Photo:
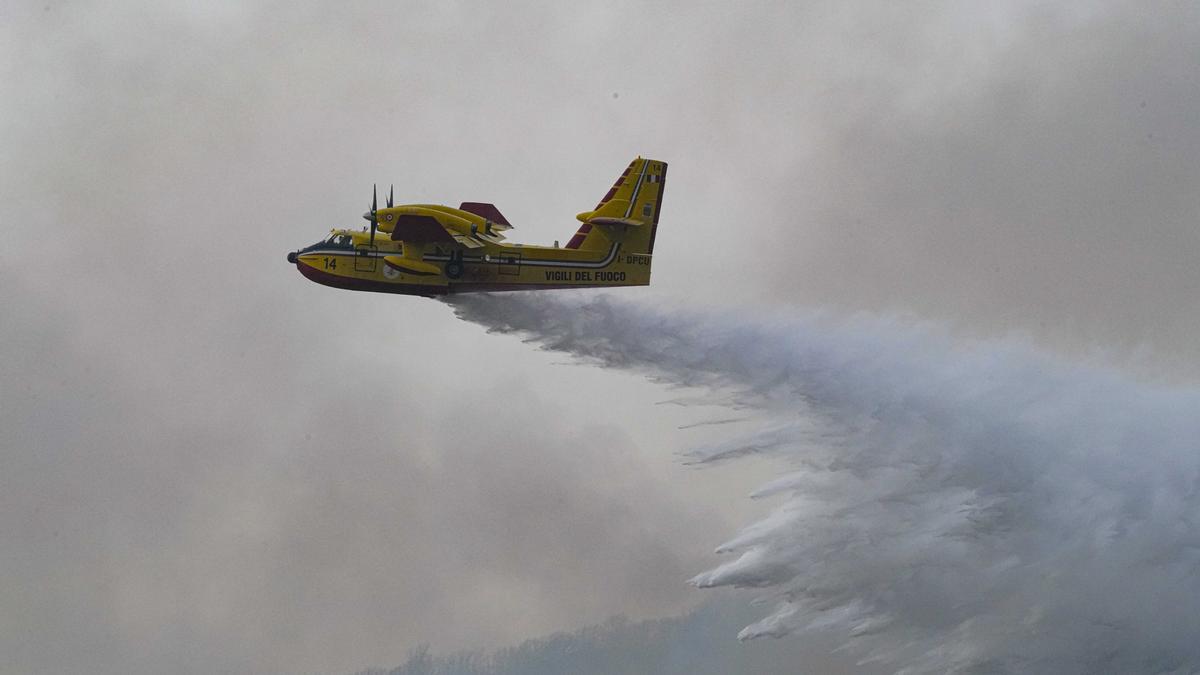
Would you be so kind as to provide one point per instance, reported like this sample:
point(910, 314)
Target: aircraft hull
point(507, 269)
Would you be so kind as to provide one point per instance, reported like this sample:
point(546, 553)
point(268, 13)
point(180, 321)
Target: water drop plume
point(948, 507)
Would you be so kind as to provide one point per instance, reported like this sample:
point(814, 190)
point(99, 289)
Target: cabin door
point(509, 264)
point(365, 258)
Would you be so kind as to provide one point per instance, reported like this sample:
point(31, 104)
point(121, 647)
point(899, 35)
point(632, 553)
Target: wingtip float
point(428, 250)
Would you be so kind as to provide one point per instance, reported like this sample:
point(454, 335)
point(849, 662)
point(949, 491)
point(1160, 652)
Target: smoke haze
point(208, 464)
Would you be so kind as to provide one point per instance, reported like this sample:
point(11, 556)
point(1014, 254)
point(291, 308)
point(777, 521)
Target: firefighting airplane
point(436, 250)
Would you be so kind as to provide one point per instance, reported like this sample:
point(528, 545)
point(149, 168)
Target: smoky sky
point(210, 464)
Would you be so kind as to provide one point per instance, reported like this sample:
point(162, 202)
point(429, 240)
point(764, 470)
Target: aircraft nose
point(292, 257)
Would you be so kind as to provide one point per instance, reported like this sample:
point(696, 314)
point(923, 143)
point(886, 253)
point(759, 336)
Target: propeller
point(372, 214)
point(374, 218)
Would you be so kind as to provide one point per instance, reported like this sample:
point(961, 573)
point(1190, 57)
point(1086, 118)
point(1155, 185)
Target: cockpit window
point(334, 240)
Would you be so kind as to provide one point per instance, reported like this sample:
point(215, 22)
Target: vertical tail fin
point(636, 197)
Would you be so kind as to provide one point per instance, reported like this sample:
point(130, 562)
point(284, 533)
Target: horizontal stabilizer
point(615, 221)
point(613, 208)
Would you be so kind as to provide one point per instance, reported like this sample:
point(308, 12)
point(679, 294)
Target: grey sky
point(211, 464)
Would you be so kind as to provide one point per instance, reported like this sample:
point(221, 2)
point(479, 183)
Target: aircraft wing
point(604, 220)
point(435, 228)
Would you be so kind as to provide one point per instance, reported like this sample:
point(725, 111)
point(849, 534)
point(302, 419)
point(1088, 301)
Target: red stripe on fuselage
point(355, 284)
point(350, 283)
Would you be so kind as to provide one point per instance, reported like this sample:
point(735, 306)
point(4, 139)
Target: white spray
point(982, 509)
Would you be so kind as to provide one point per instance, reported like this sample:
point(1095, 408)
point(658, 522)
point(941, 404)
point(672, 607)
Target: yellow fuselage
point(493, 267)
